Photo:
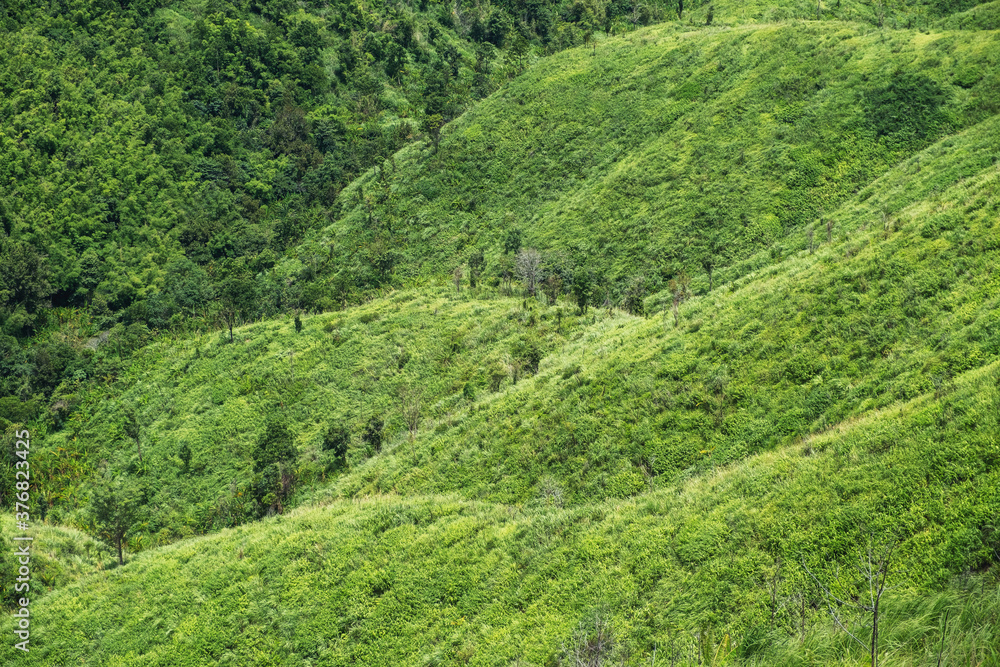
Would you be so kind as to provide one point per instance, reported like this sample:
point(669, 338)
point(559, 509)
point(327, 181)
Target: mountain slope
point(663, 151)
point(389, 581)
point(903, 446)
point(479, 475)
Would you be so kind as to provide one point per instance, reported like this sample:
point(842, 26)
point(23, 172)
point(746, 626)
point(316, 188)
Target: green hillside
point(711, 566)
point(764, 349)
point(667, 150)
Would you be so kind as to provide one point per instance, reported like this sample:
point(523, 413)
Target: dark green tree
point(512, 241)
point(635, 295)
point(336, 440)
point(372, 435)
point(275, 446)
point(582, 288)
point(188, 286)
point(185, 454)
point(272, 458)
point(476, 264)
point(114, 511)
point(24, 284)
point(234, 293)
point(133, 430)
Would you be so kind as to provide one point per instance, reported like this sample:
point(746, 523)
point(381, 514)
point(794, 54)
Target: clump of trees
point(273, 458)
point(336, 440)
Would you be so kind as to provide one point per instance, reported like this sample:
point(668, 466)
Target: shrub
point(373, 433)
point(336, 440)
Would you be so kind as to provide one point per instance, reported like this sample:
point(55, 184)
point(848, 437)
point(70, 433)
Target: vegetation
point(681, 346)
point(158, 158)
point(668, 151)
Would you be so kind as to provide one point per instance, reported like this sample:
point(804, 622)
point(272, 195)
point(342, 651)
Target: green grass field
point(442, 476)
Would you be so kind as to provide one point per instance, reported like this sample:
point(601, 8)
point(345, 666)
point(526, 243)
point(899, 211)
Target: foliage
point(115, 505)
point(671, 150)
point(462, 476)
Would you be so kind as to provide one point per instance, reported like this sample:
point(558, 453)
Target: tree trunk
point(874, 646)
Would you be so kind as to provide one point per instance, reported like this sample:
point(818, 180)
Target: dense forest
point(503, 333)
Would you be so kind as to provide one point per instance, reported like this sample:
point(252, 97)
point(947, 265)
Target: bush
point(909, 106)
point(528, 352)
point(275, 445)
point(336, 441)
point(373, 433)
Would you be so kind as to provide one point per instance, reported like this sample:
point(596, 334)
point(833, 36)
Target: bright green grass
point(816, 399)
point(901, 302)
point(443, 580)
point(665, 150)
point(59, 556)
point(341, 369)
point(904, 444)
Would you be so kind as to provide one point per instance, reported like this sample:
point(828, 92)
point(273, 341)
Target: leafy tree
point(512, 241)
point(185, 455)
point(24, 281)
point(553, 287)
point(635, 295)
point(433, 124)
point(410, 404)
point(133, 430)
point(680, 290)
point(336, 440)
point(527, 353)
point(188, 286)
point(276, 445)
point(476, 264)
point(14, 365)
point(372, 435)
point(114, 511)
point(272, 457)
point(235, 293)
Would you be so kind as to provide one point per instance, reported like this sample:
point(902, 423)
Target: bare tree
point(410, 403)
point(680, 288)
point(593, 644)
point(874, 565)
point(528, 265)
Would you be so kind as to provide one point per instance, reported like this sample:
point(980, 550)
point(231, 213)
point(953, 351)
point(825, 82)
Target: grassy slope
point(868, 320)
point(441, 577)
point(889, 332)
point(666, 148)
point(443, 580)
point(342, 369)
point(895, 15)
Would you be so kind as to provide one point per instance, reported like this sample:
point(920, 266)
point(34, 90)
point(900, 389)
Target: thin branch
point(833, 613)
